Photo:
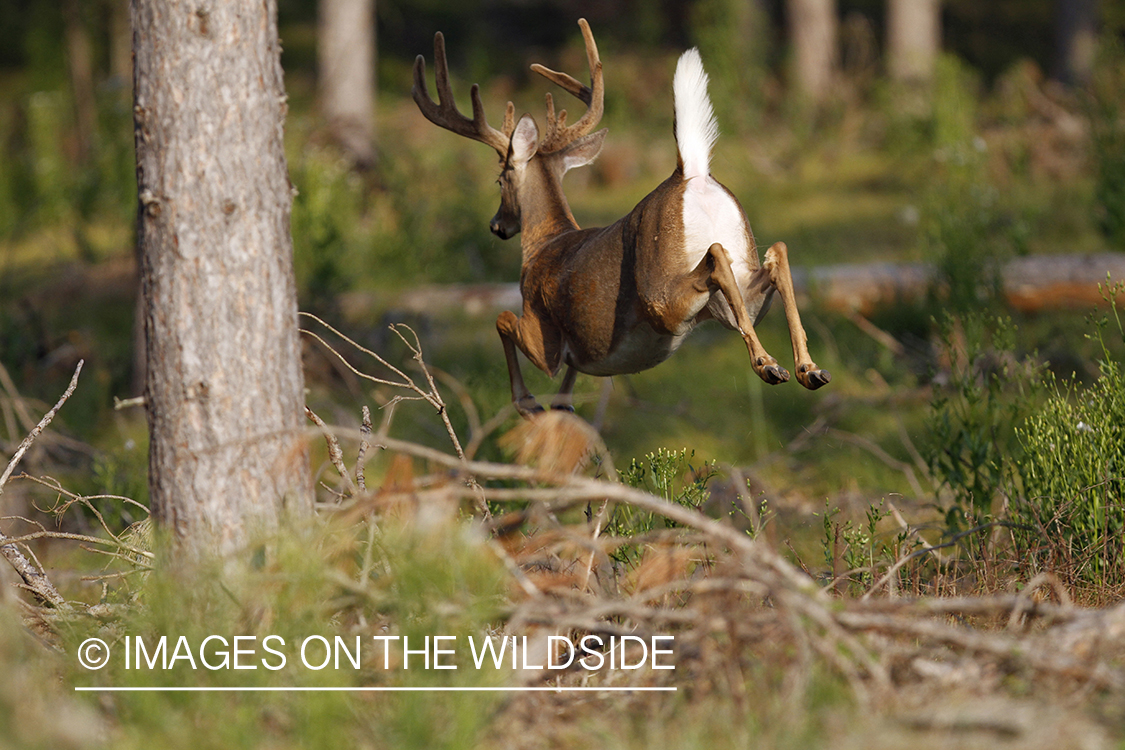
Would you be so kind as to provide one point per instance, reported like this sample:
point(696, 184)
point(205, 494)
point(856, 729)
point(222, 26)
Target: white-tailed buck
point(622, 298)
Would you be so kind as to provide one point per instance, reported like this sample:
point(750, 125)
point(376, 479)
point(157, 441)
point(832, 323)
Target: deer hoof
point(528, 407)
point(774, 374)
point(562, 407)
point(813, 377)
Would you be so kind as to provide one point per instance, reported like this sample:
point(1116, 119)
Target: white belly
point(639, 350)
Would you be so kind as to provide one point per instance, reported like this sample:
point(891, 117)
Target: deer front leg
point(777, 264)
point(537, 343)
point(718, 263)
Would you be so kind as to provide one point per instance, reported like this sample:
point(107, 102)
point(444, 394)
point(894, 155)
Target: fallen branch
point(857, 638)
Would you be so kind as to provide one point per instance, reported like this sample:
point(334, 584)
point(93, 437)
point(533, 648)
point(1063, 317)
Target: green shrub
point(327, 214)
point(1073, 472)
point(970, 227)
point(973, 451)
point(667, 474)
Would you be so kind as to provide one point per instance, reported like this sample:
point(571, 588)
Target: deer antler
point(444, 112)
point(558, 135)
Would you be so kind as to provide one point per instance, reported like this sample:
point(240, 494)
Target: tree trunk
point(346, 59)
point(813, 34)
point(1076, 40)
point(913, 39)
point(224, 387)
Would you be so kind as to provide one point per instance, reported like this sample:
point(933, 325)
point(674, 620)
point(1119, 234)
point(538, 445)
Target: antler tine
point(577, 88)
point(558, 135)
point(444, 112)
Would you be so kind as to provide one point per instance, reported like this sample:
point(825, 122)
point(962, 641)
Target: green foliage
point(1073, 471)
point(956, 88)
point(860, 548)
point(969, 230)
point(349, 581)
point(1004, 427)
point(665, 473)
point(973, 450)
point(327, 218)
point(443, 199)
point(733, 38)
point(670, 475)
point(122, 472)
point(42, 187)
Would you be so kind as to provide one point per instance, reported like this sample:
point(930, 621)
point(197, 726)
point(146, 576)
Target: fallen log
point(1030, 284)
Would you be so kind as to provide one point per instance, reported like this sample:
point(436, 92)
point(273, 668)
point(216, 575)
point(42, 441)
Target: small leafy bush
point(1073, 471)
point(668, 474)
point(976, 406)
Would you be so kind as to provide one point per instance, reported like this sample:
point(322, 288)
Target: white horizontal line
point(374, 689)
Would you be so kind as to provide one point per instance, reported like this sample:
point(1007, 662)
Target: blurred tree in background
point(346, 75)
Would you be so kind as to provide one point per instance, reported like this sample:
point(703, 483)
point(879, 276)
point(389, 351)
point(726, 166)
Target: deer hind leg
point(540, 345)
point(717, 264)
point(777, 265)
point(564, 399)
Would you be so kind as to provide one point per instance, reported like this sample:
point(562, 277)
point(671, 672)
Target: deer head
point(531, 169)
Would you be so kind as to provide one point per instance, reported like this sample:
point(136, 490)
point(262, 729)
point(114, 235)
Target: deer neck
point(544, 211)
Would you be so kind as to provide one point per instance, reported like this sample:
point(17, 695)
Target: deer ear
point(584, 150)
point(525, 140)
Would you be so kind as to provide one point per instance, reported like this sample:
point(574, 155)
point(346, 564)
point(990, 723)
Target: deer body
point(622, 298)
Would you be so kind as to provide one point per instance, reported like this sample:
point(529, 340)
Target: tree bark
point(913, 39)
point(224, 388)
point(346, 60)
point(813, 34)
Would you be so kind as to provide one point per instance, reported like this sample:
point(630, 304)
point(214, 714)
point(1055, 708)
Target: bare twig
point(875, 332)
point(1025, 604)
point(46, 420)
point(335, 454)
point(431, 396)
point(934, 548)
point(364, 446)
point(34, 579)
point(120, 404)
point(47, 534)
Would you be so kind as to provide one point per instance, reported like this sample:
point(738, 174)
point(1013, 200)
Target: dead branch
point(335, 454)
point(432, 396)
point(856, 638)
point(364, 446)
point(34, 579)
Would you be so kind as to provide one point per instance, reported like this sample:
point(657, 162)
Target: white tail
point(696, 128)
